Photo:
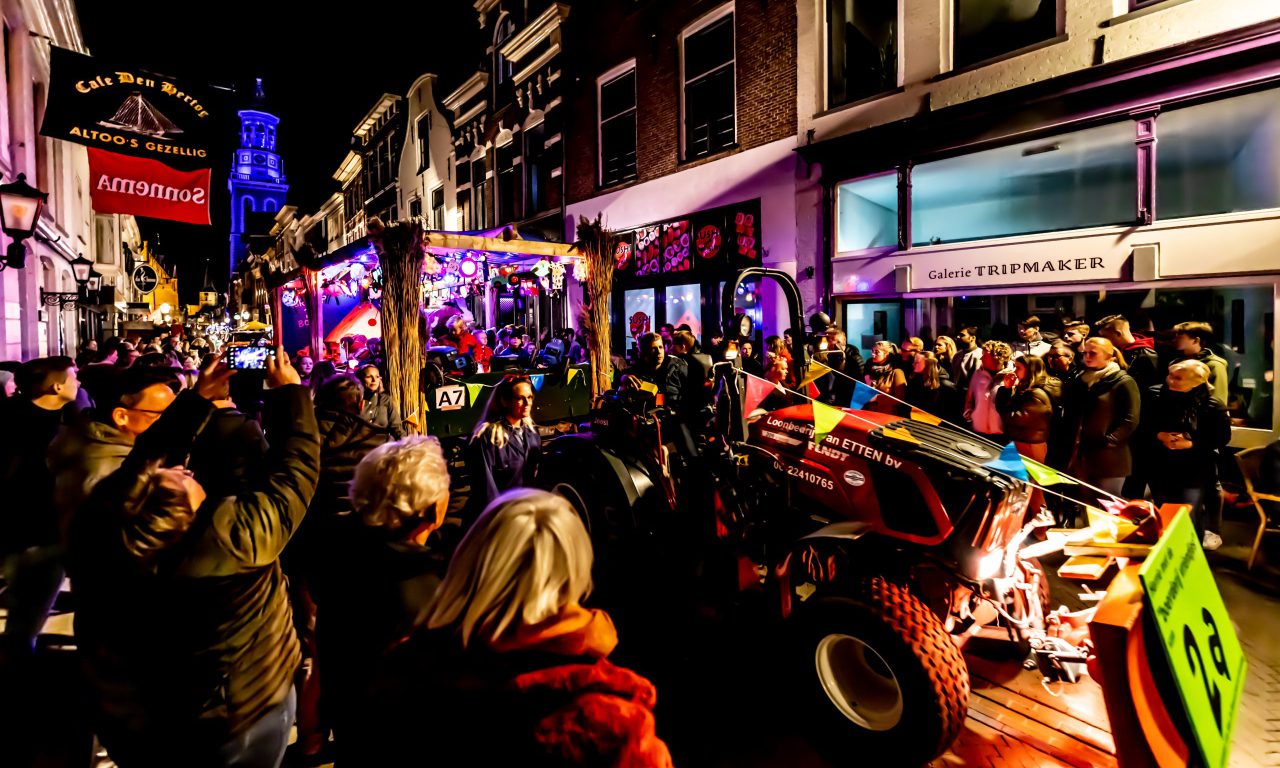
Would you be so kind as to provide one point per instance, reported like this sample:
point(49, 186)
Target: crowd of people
point(235, 574)
point(243, 560)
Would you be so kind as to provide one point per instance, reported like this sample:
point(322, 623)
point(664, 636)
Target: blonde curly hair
point(399, 484)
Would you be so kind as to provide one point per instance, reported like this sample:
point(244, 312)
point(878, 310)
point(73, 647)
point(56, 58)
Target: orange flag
point(927, 418)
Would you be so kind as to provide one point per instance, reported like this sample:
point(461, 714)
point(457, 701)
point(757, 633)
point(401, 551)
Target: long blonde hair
point(526, 559)
point(494, 426)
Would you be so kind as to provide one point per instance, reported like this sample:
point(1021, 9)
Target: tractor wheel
point(883, 677)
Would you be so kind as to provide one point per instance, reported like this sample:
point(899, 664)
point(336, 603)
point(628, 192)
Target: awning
point(504, 245)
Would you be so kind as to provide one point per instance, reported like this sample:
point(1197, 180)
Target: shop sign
point(109, 106)
point(1199, 641)
point(954, 270)
point(131, 185)
point(145, 280)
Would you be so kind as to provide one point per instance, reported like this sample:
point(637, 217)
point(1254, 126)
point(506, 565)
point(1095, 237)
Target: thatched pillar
point(597, 245)
point(400, 255)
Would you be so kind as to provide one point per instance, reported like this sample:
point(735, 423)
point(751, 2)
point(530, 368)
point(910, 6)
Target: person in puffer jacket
point(182, 623)
point(513, 669)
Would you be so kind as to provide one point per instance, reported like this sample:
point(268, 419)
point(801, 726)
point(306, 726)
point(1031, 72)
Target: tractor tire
point(882, 677)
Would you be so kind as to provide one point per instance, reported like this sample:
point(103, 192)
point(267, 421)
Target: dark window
point(1136, 4)
point(508, 185)
point(618, 129)
point(535, 168)
point(424, 142)
point(415, 208)
point(981, 34)
point(709, 94)
point(483, 194)
point(437, 208)
point(464, 173)
point(465, 220)
point(862, 49)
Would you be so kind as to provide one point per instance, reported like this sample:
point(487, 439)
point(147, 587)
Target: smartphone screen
point(248, 358)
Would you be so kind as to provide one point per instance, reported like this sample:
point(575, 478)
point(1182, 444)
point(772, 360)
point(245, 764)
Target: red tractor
point(885, 547)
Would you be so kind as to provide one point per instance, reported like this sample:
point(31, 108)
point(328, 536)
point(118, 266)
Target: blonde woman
point(884, 375)
point(505, 447)
point(944, 348)
point(515, 666)
point(1103, 407)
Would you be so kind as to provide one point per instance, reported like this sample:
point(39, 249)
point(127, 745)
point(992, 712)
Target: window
point(1084, 179)
point(867, 213)
point(424, 142)
point(862, 49)
point(535, 168)
point(465, 220)
point(509, 208)
point(618, 128)
point(482, 194)
point(415, 208)
point(684, 306)
point(985, 30)
point(105, 231)
point(1219, 157)
point(464, 173)
point(437, 208)
point(709, 89)
point(639, 306)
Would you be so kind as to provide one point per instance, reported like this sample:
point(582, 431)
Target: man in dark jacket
point(181, 616)
point(668, 373)
point(227, 455)
point(47, 388)
point(1185, 426)
point(698, 385)
point(1139, 353)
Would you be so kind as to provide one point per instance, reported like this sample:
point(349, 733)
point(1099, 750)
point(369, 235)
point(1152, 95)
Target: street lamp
point(82, 270)
point(20, 205)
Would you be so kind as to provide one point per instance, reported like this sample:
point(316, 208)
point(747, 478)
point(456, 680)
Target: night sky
point(322, 71)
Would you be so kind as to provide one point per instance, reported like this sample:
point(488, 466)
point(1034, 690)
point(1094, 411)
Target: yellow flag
point(473, 391)
point(898, 433)
point(825, 419)
point(927, 418)
point(574, 372)
point(816, 371)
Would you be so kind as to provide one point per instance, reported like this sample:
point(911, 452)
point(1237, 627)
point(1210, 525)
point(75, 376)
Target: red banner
point(133, 185)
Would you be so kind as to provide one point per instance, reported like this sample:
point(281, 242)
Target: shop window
point(638, 319)
point(684, 306)
point(985, 30)
point(862, 49)
point(1219, 157)
point(865, 323)
point(867, 213)
point(710, 94)
point(618, 128)
point(1082, 179)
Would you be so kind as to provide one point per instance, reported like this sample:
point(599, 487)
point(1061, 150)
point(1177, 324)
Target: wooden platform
point(1015, 721)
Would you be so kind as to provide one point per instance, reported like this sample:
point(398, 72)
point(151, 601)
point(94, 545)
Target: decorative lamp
point(20, 205)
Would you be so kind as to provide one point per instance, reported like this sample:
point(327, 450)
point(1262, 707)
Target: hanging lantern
point(580, 271)
point(542, 268)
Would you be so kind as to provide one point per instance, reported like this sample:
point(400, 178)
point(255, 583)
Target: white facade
point(65, 230)
point(426, 165)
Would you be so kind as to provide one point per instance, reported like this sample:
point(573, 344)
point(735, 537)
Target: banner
point(130, 111)
point(122, 184)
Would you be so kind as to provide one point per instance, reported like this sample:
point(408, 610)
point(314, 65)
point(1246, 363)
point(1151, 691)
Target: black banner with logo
point(131, 111)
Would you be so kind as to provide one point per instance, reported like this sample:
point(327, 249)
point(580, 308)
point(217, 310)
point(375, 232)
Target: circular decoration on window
point(622, 256)
point(639, 325)
point(709, 241)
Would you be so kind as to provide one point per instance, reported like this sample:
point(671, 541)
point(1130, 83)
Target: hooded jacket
point(81, 456)
point(1219, 380)
point(1144, 364)
point(195, 644)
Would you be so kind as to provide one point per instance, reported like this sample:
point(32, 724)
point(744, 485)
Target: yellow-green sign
point(1199, 641)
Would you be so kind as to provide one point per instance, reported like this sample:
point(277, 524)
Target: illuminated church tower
point(257, 180)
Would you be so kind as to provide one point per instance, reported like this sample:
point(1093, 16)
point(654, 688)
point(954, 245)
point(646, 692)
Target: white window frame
point(627, 66)
point(702, 23)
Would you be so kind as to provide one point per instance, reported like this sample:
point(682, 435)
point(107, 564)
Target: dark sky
point(323, 67)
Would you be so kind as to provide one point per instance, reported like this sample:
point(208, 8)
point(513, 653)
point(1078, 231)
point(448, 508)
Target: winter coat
point(1196, 413)
point(27, 517)
point(227, 454)
point(1219, 379)
point(81, 456)
point(943, 402)
point(1101, 420)
point(964, 364)
point(670, 378)
point(1144, 364)
point(697, 393)
point(197, 643)
point(494, 470)
point(1027, 414)
point(532, 701)
point(381, 411)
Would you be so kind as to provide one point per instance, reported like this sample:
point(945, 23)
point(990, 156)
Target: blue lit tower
point(257, 180)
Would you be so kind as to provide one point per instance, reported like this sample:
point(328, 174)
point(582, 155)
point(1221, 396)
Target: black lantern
point(82, 268)
point(20, 205)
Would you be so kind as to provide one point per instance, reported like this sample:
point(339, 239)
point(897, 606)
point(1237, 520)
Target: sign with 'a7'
point(1200, 643)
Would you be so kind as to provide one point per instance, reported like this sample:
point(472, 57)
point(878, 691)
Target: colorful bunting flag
point(816, 371)
point(473, 392)
point(1042, 475)
point(536, 381)
point(572, 372)
point(1009, 462)
point(898, 433)
point(862, 394)
point(825, 419)
point(757, 390)
point(927, 418)
point(811, 390)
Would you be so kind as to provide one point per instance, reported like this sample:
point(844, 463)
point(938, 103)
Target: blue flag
point(1010, 463)
point(862, 394)
point(536, 380)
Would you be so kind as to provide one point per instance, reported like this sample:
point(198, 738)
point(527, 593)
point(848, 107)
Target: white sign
point(451, 398)
point(957, 270)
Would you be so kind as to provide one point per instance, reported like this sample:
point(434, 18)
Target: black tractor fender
point(598, 473)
